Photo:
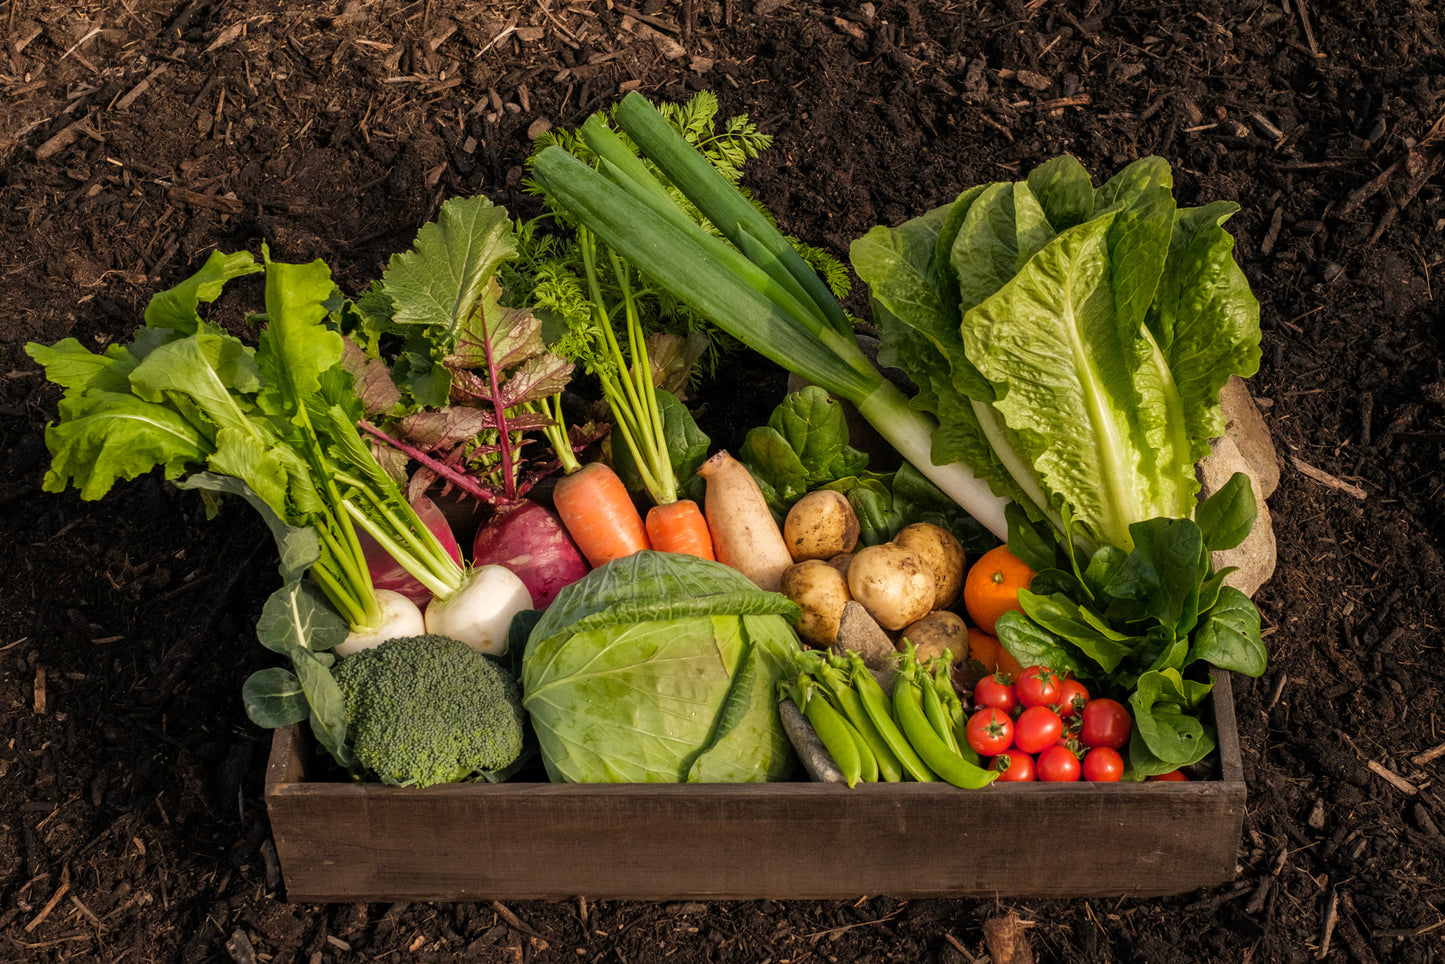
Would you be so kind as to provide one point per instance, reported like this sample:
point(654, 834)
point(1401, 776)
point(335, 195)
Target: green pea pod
point(908, 708)
point(876, 705)
point(953, 709)
point(840, 690)
point(837, 736)
point(933, 709)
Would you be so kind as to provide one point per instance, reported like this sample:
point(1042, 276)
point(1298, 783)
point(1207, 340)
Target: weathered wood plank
point(359, 842)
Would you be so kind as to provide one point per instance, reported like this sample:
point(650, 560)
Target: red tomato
point(995, 691)
point(1106, 723)
point(1103, 765)
point(1036, 728)
point(1072, 697)
point(1057, 764)
point(1037, 686)
point(1014, 767)
point(990, 731)
point(1171, 776)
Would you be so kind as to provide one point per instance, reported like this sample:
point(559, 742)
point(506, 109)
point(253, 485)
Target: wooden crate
point(365, 842)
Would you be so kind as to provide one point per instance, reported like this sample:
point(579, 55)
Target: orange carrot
point(679, 527)
point(599, 514)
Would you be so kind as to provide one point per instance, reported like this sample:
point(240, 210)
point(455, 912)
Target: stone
point(1245, 425)
point(1255, 556)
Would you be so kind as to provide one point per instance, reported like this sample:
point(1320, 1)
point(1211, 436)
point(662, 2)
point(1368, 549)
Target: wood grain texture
point(363, 842)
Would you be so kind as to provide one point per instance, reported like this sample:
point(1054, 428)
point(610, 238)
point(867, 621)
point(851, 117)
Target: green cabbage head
point(661, 668)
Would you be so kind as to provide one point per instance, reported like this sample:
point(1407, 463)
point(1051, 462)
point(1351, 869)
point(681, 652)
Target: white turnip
point(400, 616)
point(531, 541)
point(480, 612)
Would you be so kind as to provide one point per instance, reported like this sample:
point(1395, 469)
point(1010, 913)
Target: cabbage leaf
point(660, 668)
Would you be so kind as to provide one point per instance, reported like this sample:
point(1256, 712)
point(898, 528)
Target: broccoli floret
point(429, 709)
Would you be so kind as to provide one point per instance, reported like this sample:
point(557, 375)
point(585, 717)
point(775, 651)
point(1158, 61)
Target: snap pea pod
point(834, 731)
point(933, 707)
point(908, 708)
point(837, 685)
point(953, 709)
point(876, 705)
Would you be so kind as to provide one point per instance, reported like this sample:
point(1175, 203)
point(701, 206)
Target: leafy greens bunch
point(1072, 342)
point(470, 376)
point(274, 424)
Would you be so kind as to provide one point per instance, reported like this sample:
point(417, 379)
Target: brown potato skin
point(894, 583)
point(945, 556)
point(820, 525)
point(822, 592)
point(937, 633)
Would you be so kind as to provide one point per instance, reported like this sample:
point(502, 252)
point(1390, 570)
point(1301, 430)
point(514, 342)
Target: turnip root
point(744, 533)
point(820, 525)
point(944, 555)
point(400, 616)
point(821, 591)
point(937, 633)
point(894, 583)
point(531, 541)
point(480, 612)
point(388, 574)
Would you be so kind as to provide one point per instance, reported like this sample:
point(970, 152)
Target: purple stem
point(460, 479)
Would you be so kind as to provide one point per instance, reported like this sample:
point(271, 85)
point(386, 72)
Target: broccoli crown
point(429, 709)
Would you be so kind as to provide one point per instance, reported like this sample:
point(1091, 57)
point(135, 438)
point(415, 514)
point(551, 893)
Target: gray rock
point(815, 757)
point(859, 631)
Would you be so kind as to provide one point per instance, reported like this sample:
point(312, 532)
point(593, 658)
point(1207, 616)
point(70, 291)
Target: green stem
point(556, 432)
point(335, 590)
point(410, 531)
point(346, 552)
point(651, 432)
point(403, 556)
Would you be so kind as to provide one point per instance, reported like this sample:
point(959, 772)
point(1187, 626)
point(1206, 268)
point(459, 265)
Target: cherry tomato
point(1014, 766)
point(1072, 697)
point(1171, 776)
point(1037, 686)
point(1036, 728)
point(1057, 764)
point(990, 731)
point(1106, 723)
point(1103, 765)
point(995, 691)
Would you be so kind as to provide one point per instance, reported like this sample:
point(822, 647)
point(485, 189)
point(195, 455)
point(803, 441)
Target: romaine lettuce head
point(661, 668)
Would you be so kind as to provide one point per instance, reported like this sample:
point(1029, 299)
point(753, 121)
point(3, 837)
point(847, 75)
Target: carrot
point(599, 514)
point(679, 526)
point(744, 533)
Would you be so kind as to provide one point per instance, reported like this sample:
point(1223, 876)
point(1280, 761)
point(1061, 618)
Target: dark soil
point(139, 135)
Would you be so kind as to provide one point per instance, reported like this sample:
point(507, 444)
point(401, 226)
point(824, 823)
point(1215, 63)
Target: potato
point(822, 592)
point(819, 525)
point(894, 583)
point(945, 556)
point(937, 633)
point(841, 562)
